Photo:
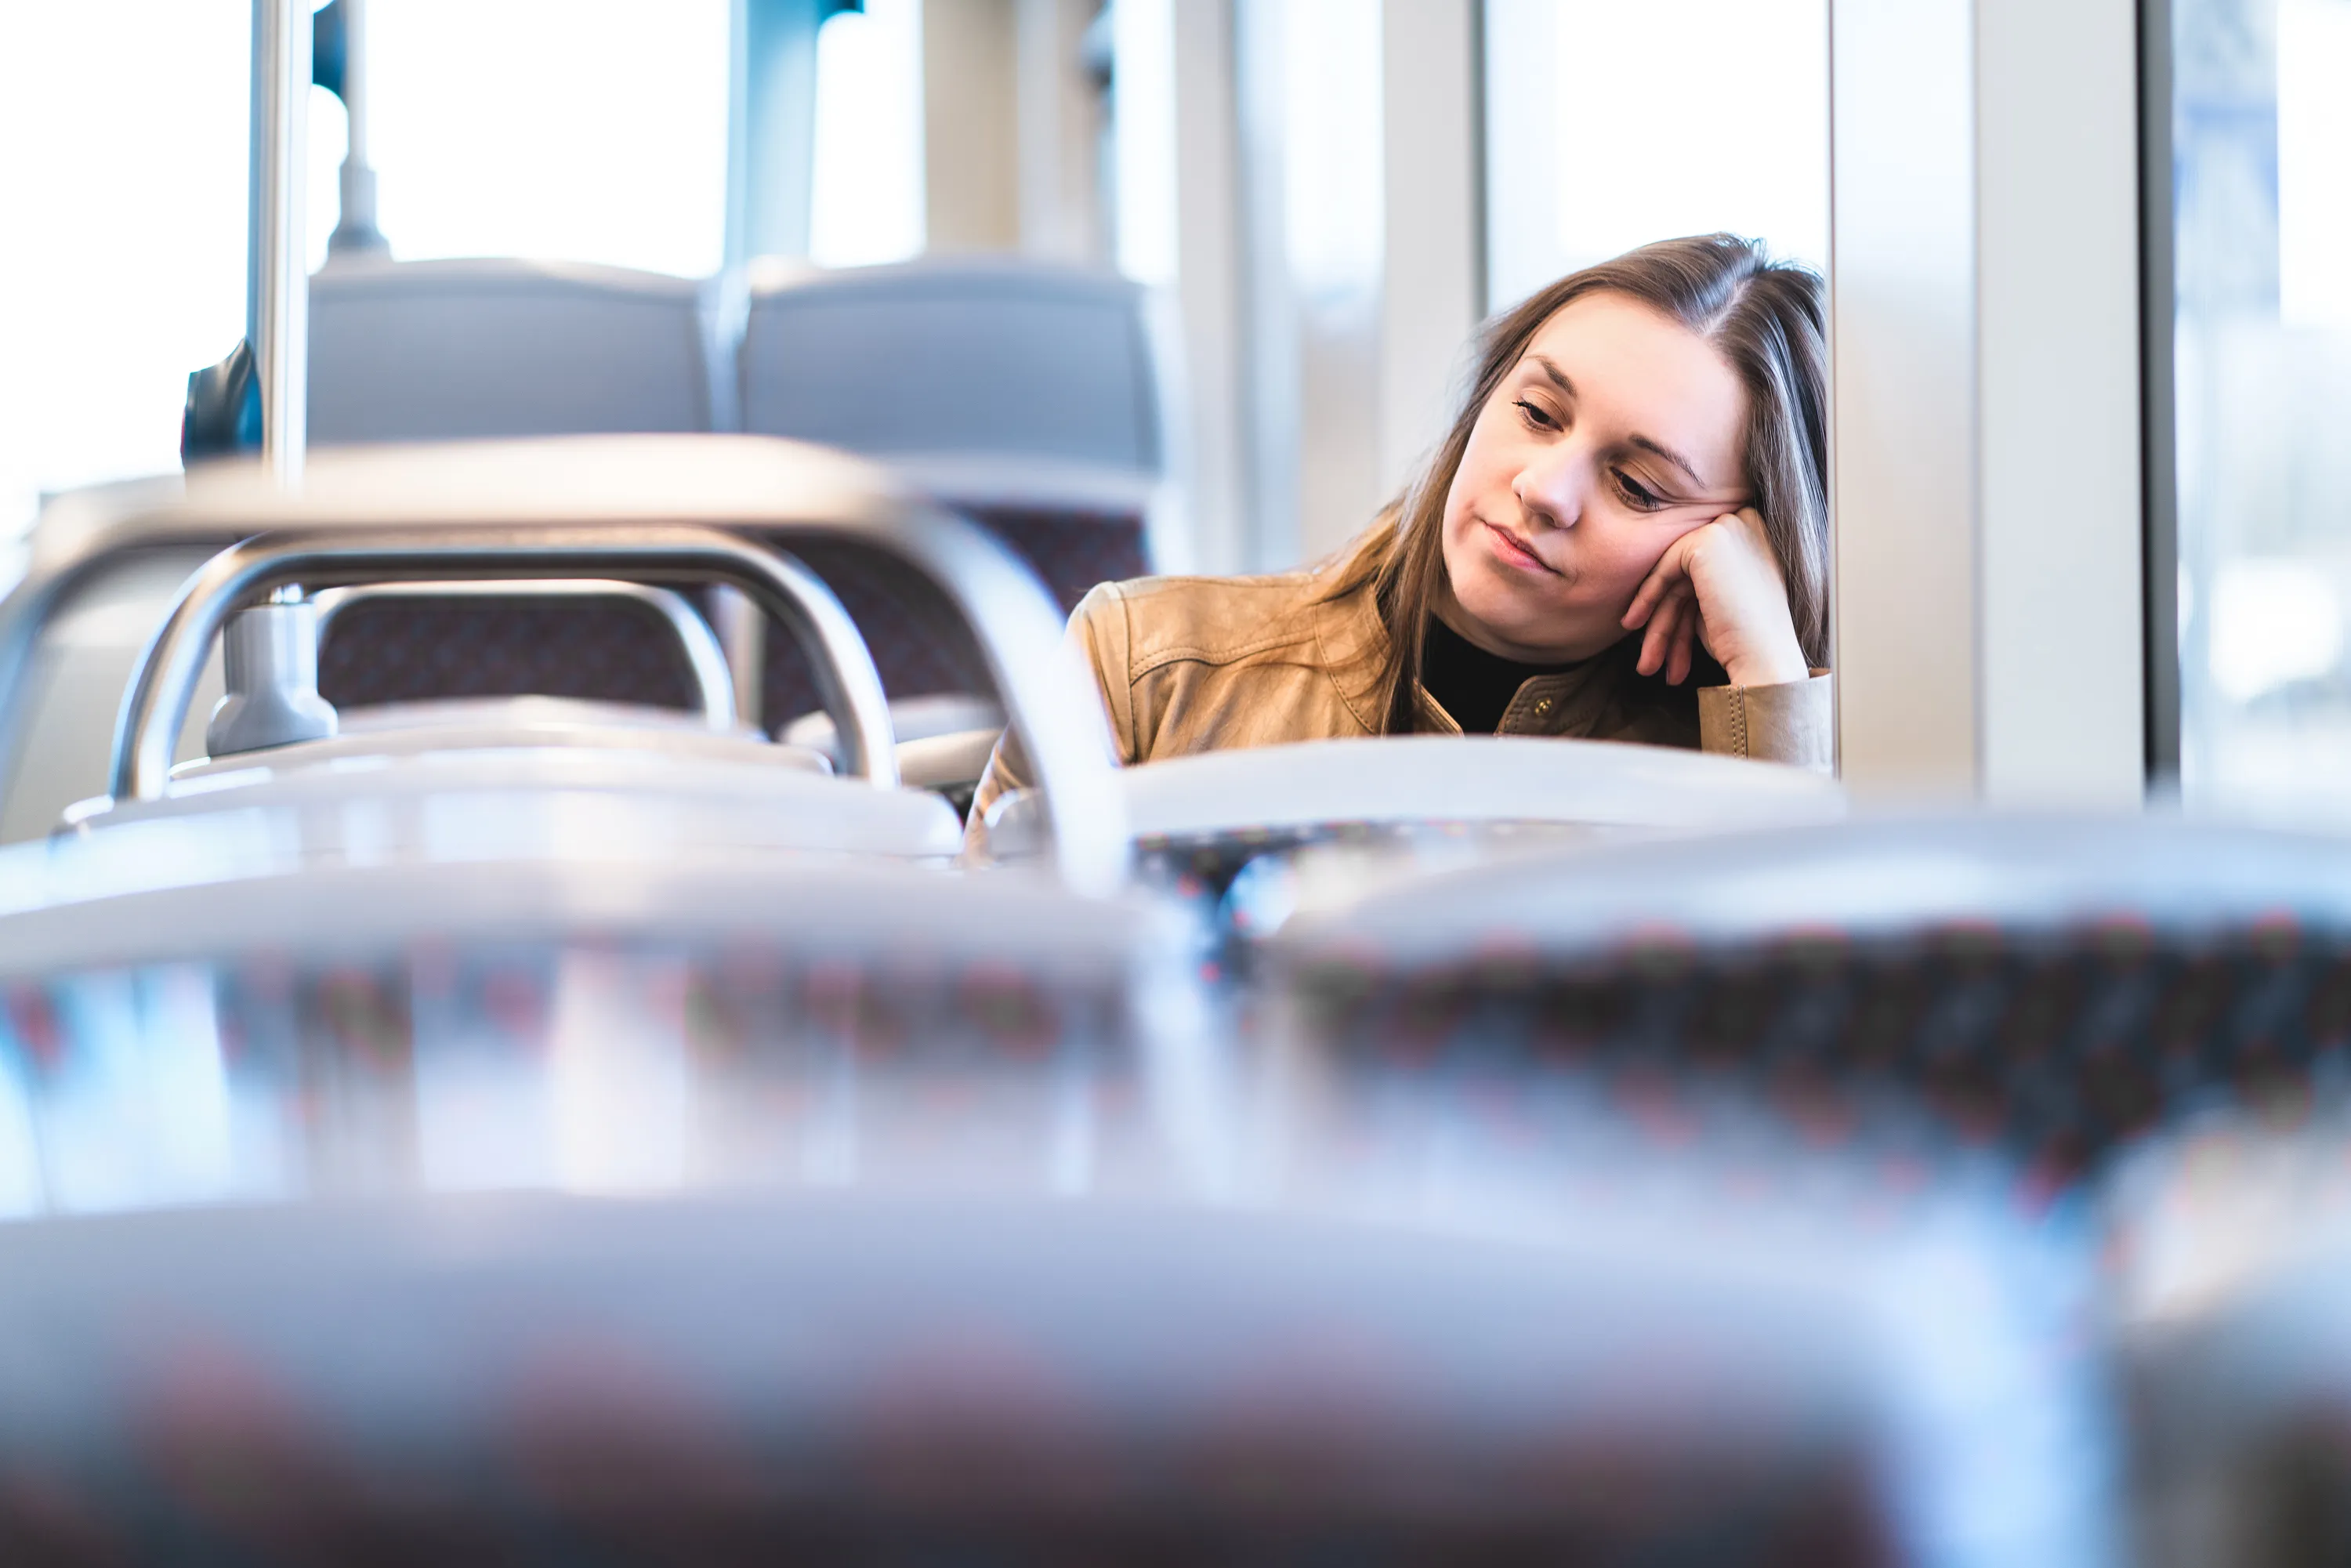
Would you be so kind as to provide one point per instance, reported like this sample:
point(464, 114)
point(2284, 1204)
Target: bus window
point(1581, 163)
point(122, 186)
point(563, 130)
point(866, 188)
point(2261, 156)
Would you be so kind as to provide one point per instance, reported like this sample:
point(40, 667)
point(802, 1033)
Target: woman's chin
point(1512, 631)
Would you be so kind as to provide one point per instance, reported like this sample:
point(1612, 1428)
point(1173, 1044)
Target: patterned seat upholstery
point(918, 643)
point(612, 649)
point(2048, 991)
point(417, 648)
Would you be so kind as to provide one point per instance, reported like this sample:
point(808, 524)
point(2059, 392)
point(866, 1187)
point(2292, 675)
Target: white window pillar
point(1987, 421)
point(1304, 175)
point(1431, 290)
point(1177, 229)
point(1060, 114)
point(971, 125)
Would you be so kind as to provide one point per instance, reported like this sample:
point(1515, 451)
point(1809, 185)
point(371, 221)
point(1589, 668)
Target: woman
point(1624, 538)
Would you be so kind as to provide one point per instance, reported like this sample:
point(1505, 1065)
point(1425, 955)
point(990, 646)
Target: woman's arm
point(1720, 589)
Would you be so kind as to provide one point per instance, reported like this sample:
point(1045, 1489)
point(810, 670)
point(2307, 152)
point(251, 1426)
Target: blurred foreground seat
point(860, 1378)
point(1248, 839)
point(2231, 1264)
point(2048, 988)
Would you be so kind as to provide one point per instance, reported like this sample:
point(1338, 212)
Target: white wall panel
point(1903, 488)
point(2059, 418)
point(1430, 292)
point(1986, 486)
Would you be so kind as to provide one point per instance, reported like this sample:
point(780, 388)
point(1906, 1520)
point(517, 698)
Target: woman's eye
point(1535, 415)
point(1636, 492)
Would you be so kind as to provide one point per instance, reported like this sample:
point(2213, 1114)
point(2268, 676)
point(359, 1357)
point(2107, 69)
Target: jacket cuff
point(1789, 723)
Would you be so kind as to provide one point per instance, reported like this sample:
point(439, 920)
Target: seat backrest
point(2228, 1260)
point(2052, 988)
point(422, 648)
point(966, 357)
point(1022, 394)
point(429, 351)
point(848, 1380)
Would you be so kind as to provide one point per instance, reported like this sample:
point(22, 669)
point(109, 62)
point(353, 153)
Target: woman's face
point(1617, 432)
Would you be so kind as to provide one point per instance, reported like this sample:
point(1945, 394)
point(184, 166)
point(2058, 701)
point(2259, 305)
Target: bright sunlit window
point(585, 130)
point(578, 130)
point(2262, 151)
point(122, 193)
point(1610, 125)
point(2313, 173)
point(1335, 207)
point(1143, 43)
point(865, 201)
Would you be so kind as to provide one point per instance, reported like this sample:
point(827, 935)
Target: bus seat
point(945, 741)
point(463, 350)
point(486, 347)
point(423, 648)
point(2054, 989)
point(862, 1377)
point(1022, 394)
point(2228, 1254)
point(1251, 837)
point(957, 359)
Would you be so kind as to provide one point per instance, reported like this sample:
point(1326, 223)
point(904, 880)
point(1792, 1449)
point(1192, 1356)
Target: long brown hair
point(1765, 318)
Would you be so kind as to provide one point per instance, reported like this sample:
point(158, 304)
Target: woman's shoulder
point(1214, 620)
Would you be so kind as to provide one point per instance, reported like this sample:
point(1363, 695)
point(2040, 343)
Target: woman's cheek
point(1618, 574)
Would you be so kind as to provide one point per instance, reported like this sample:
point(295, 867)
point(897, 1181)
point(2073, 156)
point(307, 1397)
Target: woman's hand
point(1720, 586)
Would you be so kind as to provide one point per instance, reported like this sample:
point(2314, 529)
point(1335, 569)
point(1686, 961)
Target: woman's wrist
point(1777, 667)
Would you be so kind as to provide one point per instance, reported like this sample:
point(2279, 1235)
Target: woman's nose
point(1553, 485)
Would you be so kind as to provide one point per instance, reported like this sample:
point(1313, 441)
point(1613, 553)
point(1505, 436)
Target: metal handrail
point(156, 703)
point(696, 639)
point(752, 486)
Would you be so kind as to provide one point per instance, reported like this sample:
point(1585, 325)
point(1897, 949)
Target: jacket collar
point(1352, 641)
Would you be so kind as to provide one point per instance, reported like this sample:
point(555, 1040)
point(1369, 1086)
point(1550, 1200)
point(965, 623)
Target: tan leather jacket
point(1204, 663)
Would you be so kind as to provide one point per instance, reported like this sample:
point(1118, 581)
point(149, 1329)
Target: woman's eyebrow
point(1670, 455)
point(1558, 378)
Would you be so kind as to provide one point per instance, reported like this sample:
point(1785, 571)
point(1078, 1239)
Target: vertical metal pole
point(281, 302)
point(771, 128)
point(2158, 307)
point(742, 628)
point(356, 234)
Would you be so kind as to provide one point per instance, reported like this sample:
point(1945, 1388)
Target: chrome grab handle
point(1050, 696)
point(155, 707)
point(694, 637)
point(634, 486)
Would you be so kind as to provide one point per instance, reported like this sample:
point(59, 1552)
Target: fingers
point(1660, 626)
point(1686, 633)
point(1672, 570)
point(1670, 627)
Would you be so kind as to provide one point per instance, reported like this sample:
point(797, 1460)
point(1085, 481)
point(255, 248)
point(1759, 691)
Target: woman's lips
point(1508, 547)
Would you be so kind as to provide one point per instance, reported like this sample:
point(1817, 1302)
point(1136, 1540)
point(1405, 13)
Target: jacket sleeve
point(1792, 723)
point(1096, 634)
